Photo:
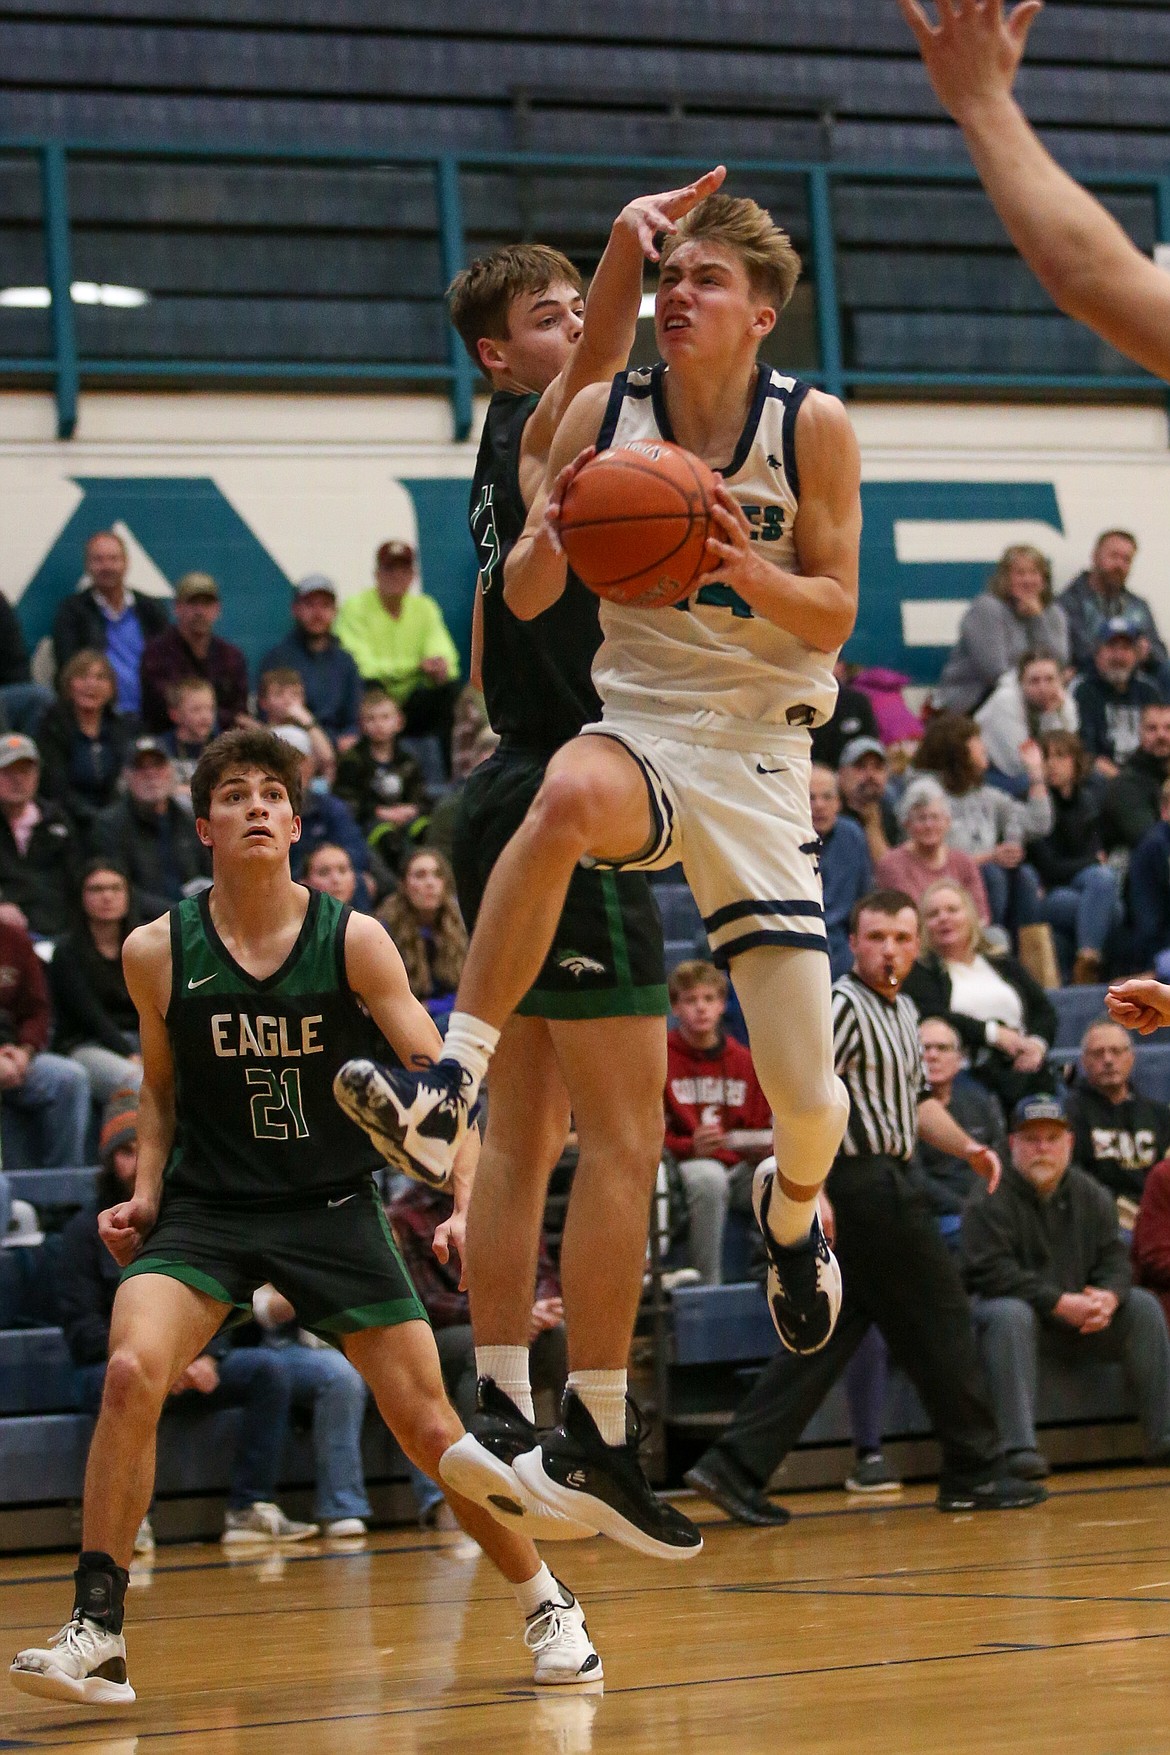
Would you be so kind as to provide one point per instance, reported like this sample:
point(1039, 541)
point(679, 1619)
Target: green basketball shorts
point(606, 960)
point(336, 1262)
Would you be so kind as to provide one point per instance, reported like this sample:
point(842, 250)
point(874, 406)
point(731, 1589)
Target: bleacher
point(342, 264)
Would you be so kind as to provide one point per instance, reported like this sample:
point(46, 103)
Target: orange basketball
point(635, 520)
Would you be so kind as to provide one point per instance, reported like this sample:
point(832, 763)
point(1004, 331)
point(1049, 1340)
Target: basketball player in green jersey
point(250, 996)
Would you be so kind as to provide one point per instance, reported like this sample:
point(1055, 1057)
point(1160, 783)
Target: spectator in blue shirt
point(107, 617)
point(333, 686)
point(846, 867)
point(1100, 594)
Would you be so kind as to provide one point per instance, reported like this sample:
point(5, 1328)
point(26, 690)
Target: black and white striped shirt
point(877, 1053)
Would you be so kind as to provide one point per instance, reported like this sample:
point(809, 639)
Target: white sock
point(472, 1043)
point(604, 1396)
point(541, 1588)
point(790, 1221)
point(508, 1369)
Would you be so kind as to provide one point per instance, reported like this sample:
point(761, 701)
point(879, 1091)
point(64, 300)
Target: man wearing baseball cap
point(862, 778)
point(150, 834)
point(190, 648)
point(1051, 1281)
point(333, 687)
point(1110, 693)
point(398, 638)
point(39, 855)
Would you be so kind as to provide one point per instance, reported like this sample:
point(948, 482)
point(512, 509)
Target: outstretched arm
point(611, 312)
point(1084, 260)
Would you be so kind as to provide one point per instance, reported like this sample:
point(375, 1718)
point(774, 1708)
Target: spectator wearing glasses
point(97, 1022)
point(1118, 1134)
point(948, 1181)
point(926, 856)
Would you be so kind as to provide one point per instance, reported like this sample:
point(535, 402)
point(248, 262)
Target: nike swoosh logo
point(202, 981)
point(342, 1201)
point(782, 769)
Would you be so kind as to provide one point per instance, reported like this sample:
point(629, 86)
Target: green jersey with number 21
point(255, 1120)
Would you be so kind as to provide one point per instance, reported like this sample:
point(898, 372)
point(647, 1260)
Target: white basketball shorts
point(740, 824)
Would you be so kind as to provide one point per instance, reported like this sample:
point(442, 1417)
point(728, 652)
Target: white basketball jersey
point(709, 668)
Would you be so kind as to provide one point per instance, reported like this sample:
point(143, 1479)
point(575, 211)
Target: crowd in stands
point(96, 826)
point(1024, 808)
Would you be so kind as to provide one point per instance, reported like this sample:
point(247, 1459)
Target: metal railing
point(67, 369)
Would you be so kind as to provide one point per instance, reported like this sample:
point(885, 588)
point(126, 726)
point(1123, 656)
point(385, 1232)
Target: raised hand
point(650, 216)
point(973, 52)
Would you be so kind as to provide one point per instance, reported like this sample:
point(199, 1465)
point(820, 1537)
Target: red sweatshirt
point(710, 1087)
point(1151, 1235)
point(24, 992)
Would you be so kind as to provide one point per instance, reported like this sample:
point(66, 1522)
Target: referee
point(896, 1271)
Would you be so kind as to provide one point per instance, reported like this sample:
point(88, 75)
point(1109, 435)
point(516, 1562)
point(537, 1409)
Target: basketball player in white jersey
point(702, 755)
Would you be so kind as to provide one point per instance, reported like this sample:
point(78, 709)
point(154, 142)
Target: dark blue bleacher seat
point(680, 913)
point(730, 1325)
point(1076, 1008)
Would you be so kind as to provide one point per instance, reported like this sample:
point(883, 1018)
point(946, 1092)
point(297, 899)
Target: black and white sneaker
point(84, 1664)
point(478, 1466)
point(416, 1116)
point(578, 1474)
point(804, 1281)
point(557, 1637)
point(1005, 1493)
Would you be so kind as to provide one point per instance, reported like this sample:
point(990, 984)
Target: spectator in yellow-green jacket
point(398, 638)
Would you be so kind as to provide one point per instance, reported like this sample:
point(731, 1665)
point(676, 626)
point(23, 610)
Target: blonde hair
point(696, 972)
point(746, 229)
point(997, 585)
point(978, 942)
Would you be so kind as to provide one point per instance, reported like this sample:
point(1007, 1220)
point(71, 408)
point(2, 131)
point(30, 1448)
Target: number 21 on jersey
point(276, 1103)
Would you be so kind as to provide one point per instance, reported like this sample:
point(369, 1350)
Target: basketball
point(635, 521)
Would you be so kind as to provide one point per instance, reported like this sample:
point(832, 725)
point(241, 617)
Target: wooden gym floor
point(892, 1629)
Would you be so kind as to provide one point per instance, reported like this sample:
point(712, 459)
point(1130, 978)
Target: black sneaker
point(478, 1466)
point(1027, 1465)
point(718, 1477)
point(578, 1474)
point(416, 1116)
point(804, 1281)
point(1004, 1494)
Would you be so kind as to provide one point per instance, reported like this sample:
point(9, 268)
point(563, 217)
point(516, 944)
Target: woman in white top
point(1003, 1017)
